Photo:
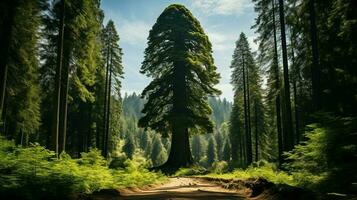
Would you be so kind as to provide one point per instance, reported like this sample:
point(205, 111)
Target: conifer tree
point(242, 64)
point(129, 146)
point(179, 59)
point(20, 79)
point(226, 154)
point(114, 72)
point(197, 147)
point(158, 153)
point(211, 151)
point(80, 59)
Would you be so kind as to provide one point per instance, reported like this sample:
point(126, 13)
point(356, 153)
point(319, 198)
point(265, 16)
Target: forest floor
point(178, 189)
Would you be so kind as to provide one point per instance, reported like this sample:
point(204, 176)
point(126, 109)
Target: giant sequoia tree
point(179, 59)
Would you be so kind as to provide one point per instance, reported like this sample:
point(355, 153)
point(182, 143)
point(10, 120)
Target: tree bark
point(105, 121)
point(288, 137)
point(296, 76)
point(246, 116)
point(106, 139)
point(180, 153)
point(277, 88)
point(63, 104)
point(315, 68)
point(57, 94)
point(256, 131)
point(250, 146)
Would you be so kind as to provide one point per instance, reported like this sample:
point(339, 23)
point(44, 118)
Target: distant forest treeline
point(155, 148)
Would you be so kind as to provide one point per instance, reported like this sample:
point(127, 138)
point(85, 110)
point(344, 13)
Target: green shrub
point(219, 167)
point(326, 160)
point(260, 169)
point(34, 173)
point(194, 170)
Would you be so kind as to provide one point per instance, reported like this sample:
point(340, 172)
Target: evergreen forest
point(70, 129)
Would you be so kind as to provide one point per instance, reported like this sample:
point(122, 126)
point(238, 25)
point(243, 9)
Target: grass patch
point(263, 170)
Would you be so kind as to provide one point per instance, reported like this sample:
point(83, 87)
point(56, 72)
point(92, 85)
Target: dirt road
point(184, 189)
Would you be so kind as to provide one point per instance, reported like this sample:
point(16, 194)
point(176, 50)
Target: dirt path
point(184, 189)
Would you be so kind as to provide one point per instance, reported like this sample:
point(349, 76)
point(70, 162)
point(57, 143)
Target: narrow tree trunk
point(57, 94)
point(249, 156)
point(256, 131)
point(105, 102)
point(63, 104)
point(235, 148)
point(315, 68)
point(296, 72)
point(288, 128)
point(250, 146)
point(108, 109)
point(90, 129)
point(277, 89)
point(279, 129)
point(4, 119)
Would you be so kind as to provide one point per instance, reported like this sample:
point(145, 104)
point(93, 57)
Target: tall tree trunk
point(234, 151)
point(63, 103)
point(105, 120)
point(250, 146)
point(57, 94)
point(315, 68)
point(180, 153)
point(277, 89)
point(106, 140)
point(296, 76)
point(256, 131)
point(90, 129)
point(288, 137)
point(246, 115)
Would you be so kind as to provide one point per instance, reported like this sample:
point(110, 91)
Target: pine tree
point(179, 59)
point(243, 67)
point(226, 154)
point(79, 64)
point(219, 141)
point(21, 88)
point(197, 147)
point(211, 151)
point(114, 71)
point(129, 146)
point(158, 153)
point(288, 134)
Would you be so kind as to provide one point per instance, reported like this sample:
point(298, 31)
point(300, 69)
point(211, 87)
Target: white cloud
point(227, 91)
point(222, 7)
point(133, 32)
point(222, 41)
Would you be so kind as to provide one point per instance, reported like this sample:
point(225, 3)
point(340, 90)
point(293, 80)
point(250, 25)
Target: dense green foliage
point(187, 51)
point(34, 173)
point(292, 120)
point(325, 161)
point(179, 59)
point(247, 122)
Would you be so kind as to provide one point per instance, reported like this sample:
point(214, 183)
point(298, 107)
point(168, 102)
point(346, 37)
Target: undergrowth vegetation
point(35, 173)
point(322, 162)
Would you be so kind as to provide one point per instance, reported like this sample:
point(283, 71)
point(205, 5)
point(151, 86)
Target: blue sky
point(222, 20)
